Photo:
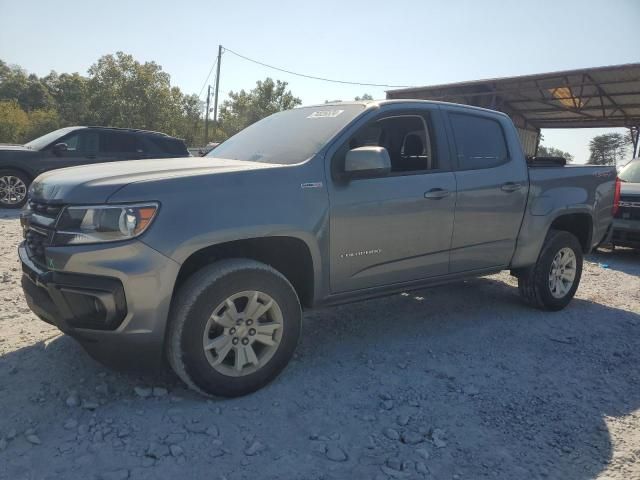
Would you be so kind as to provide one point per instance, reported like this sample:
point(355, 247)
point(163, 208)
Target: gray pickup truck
point(208, 262)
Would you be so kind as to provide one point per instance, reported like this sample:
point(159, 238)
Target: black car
point(626, 224)
point(71, 146)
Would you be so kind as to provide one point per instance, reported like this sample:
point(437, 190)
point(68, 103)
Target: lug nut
point(235, 340)
point(252, 331)
point(249, 322)
point(232, 330)
point(245, 341)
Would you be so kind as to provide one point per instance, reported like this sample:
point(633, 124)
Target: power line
point(313, 77)
point(207, 79)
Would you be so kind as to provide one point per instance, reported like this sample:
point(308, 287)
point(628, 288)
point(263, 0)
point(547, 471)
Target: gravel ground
point(456, 382)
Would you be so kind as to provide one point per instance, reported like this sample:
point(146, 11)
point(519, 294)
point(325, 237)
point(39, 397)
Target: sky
point(398, 43)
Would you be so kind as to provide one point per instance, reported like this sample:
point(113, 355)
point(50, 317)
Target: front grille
point(45, 210)
point(39, 224)
point(35, 241)
point(629, 208)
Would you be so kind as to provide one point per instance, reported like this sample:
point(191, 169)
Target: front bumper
point(114, 299)
point(626, 233)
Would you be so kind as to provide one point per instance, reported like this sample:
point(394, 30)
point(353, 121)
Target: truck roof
point(380, 103)
point(122, 129)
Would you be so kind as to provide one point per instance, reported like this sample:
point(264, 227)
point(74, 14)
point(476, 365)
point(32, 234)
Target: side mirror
point(60, 148)
point(367, 162)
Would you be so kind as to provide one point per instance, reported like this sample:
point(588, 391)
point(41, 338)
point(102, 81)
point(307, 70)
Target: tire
point(214, 371)
point(13, 188)
point(535, 283)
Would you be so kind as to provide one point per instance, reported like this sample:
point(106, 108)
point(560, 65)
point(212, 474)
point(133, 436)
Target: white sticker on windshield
point(325, 114)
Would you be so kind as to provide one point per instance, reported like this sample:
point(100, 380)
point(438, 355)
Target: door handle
point(436, 194)
point(511, 187)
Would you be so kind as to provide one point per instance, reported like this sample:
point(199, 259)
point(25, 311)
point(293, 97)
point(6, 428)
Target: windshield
point(631, 172)
point(288, 137)
point(41, 142)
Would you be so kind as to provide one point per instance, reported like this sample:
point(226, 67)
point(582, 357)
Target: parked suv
point(209, 261)
point(71, 146)
point(626, 224)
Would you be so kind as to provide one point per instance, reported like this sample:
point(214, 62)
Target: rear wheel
point(234, 326)
point(552, 282)
point(13, 189)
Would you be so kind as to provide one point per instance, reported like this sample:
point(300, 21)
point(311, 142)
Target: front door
point(398, 227)
point(82, 148)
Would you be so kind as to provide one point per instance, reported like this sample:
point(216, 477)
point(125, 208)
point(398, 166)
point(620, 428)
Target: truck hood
point(96, 183)
point(12, 147)
point(627, 188)
point(10, 152)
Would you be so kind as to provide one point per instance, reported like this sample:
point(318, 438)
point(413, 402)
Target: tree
point(544, 151)
point(364, 97)
point(607, 149)
point(14, 122)
point(71, 96)
point(244, 108)
point(126, 93)
point(42, 121)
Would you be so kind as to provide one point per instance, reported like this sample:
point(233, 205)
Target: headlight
point(105, 223)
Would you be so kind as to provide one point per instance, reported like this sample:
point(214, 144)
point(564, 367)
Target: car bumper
point(113, 299)
point(626, 233)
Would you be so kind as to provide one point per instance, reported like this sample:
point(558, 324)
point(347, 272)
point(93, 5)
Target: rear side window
point(117, 142)
point(480, 141)
point(171, 146)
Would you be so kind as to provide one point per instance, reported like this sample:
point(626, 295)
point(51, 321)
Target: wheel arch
point(289, 255)
point(579, 224)
point(21, 170)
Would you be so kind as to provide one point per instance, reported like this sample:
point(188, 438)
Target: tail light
point(616, 197)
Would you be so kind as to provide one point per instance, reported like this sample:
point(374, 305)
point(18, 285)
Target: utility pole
point(206, 117)
point(215, 100)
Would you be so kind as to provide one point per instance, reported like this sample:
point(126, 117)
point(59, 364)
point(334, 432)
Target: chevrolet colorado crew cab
point(208, 262)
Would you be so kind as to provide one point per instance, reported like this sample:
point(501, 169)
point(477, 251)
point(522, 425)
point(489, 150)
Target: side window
point(480, 141)
point(169, 146)
point(82, 143)
point(407, 138)
point(117, 142)
point(146, 146)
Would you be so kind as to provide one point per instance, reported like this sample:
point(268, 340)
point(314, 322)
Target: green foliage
point(608, 148)
point(119, 91)
point(544, 151)
point(364, 97)
point(14, 122)
point(42, 121)
point(244, 108)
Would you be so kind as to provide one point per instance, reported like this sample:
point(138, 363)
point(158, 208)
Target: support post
point(215, 100)
point(206, 117)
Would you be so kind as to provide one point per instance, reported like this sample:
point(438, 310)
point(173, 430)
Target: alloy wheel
point(12, 190)
point(563, 272)
point(243, 333)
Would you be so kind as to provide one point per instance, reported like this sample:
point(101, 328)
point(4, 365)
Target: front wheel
point(13, 189)
point(552, 282)
point(234, 326)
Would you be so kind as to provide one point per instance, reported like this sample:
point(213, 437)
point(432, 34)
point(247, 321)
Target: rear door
point(117, 145)
point(395, 228)
point(492, 181)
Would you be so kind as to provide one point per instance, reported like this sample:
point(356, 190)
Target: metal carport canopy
point(587, 97)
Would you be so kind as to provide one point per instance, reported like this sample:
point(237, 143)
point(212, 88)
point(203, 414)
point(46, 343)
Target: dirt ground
point(456, 382)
